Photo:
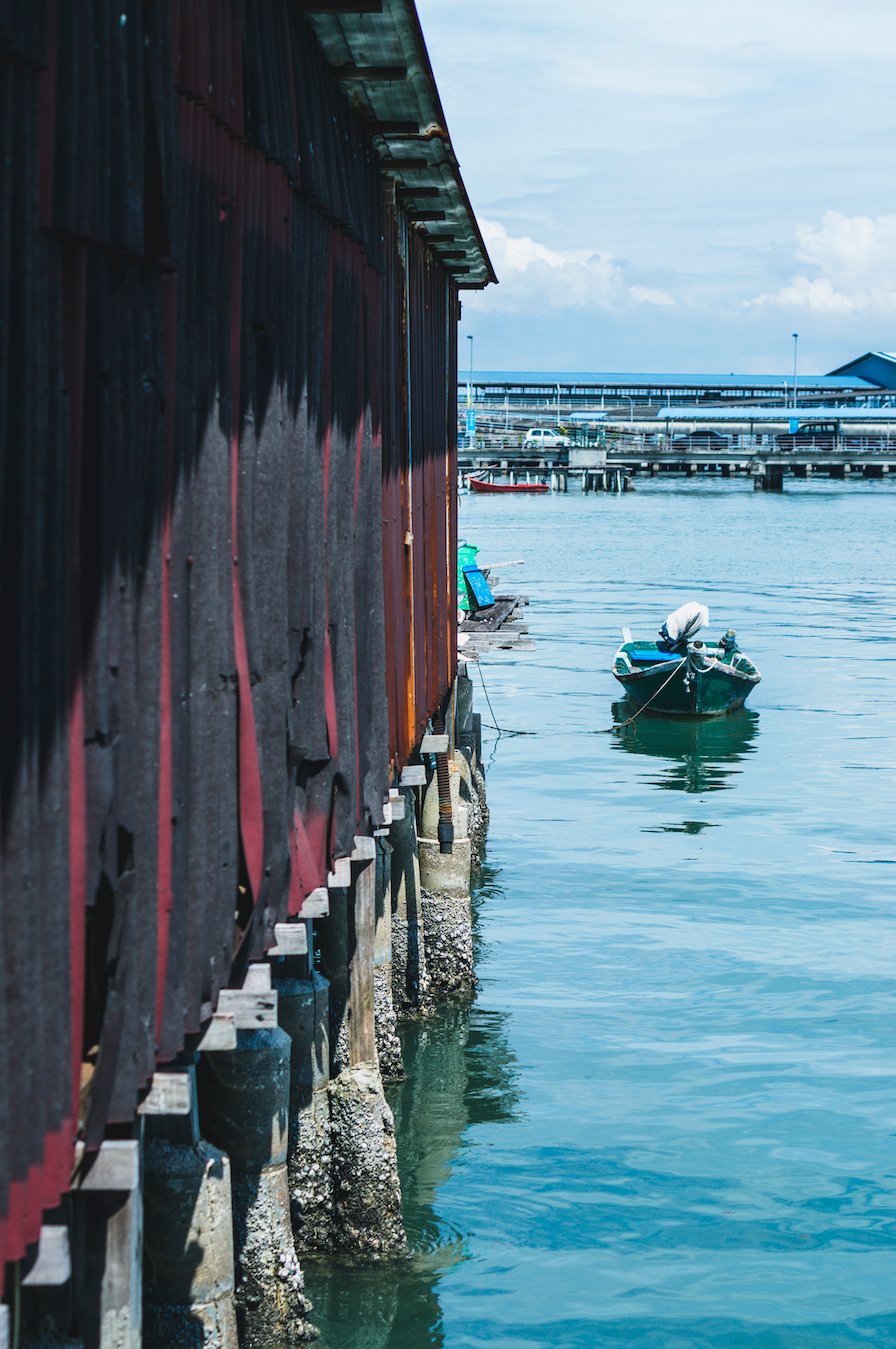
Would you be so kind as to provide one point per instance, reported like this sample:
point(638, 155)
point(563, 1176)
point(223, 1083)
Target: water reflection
point(701, 751)
point(461, 1072)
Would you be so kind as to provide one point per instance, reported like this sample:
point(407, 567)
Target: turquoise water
point(670, 1117)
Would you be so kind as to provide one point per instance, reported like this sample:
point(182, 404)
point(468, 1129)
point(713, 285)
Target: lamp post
point(631, 411)
point(470, 377)
point(796, 338)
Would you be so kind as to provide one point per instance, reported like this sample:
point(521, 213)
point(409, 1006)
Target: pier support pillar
point(367, 1221)
point(244, 1109)
point(837, 471)
point(367, 1214)
point(188, 1268)
point(303, 1011)
point(445, 878)
point(410, 979)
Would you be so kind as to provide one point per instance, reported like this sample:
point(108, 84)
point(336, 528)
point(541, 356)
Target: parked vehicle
point(810, 436)
point(538, 438)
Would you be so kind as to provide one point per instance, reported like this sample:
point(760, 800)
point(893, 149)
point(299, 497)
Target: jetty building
point(235, 241)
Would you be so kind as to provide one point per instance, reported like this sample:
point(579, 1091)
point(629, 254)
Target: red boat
point(480, 485)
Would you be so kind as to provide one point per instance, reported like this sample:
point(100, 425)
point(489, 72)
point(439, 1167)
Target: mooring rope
point(493, 725)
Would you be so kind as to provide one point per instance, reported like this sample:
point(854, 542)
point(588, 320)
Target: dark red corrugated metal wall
point(227, 370)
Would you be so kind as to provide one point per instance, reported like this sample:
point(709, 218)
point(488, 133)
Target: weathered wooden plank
point(219, 1034)
point(292, 940)
point(434, 744)
point(341, 875)
point(413, 775)
point(250, 1011)
point(365, 848)
point(116, 1166)
point(52, 1262)
point(169, 1094)
point(258, 975)
point(317, 904)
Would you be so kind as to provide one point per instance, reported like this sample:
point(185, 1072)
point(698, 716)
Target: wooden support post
point(107, 1221)
point(362, 1035)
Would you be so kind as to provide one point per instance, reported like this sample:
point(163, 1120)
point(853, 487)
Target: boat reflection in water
point(701, 751)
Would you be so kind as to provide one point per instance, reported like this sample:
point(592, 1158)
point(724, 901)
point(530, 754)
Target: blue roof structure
point(875, 367)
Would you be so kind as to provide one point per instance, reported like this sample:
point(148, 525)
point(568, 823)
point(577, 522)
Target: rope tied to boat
point(683, 660)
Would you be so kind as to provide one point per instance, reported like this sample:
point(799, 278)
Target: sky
point(675, 185)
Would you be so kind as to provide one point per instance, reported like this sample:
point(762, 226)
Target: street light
point(631, 411)
point(470, 379)
point(796, 338)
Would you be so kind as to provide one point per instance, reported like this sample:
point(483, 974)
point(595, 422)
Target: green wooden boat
point(691, 680)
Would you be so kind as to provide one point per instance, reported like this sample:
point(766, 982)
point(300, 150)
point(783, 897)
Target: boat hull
point(501, 488)
point(681, 687)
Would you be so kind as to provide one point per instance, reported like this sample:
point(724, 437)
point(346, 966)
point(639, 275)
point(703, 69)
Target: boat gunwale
point(723, 667)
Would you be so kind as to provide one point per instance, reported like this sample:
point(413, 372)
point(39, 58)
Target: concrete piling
point(303, 1013)
point(445, 880)
point(244, 1110)
point(366, 1190)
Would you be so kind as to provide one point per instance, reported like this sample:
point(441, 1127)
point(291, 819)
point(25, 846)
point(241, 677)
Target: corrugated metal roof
point(382, 59)
point(663, 380)
point(778, 414)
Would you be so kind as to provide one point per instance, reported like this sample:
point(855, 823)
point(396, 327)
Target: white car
point(537, 438)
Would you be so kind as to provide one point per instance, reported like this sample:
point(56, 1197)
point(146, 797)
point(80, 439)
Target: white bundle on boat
point(684, 623)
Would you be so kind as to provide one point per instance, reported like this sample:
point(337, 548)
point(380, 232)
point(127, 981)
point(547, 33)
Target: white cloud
point(852, 261)
point(534, 276)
